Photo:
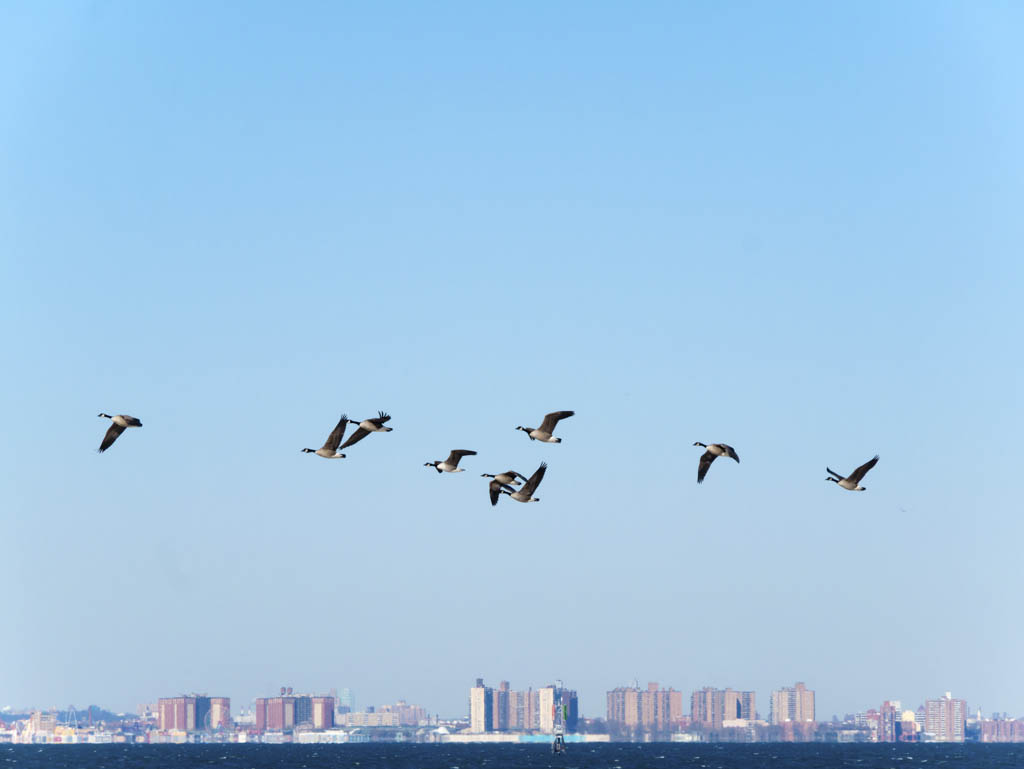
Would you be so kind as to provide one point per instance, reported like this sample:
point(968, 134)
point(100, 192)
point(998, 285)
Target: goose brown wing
point(132, 421)
point(457, 454)
point(112, 432)
point(833, 472)
point(334, 439)
point(380, 420)
point(861, 471)
point(355, 437)
point(552, 419)
point(705, 462)
point(495, 488)
point(531, 485)
point(731, 452)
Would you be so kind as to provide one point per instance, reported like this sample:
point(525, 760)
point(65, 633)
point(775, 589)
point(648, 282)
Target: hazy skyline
point(791, 228)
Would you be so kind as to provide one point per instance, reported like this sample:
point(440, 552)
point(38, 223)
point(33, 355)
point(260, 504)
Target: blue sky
point(794, 229)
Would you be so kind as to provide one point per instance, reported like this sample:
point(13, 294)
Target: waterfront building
point(792, 704)
point(546, 709)
point(945, 719)
point(624, 706)
point(499, 708)
point(517, 709)
point(288, 711)
point(503, 709)
point(652, 709)
point(177, 713)
point(220, 712)
point(481, 708)
point(710, 707)
point(889, 716)
point(1001, 730)
point(181, 713)
point(274, 714)
point(193, 713)
point(322, 712)
point(532, 716)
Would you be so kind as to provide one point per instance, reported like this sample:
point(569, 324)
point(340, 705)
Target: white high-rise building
point(546, 709)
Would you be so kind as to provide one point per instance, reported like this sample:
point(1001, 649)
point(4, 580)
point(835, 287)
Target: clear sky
point(790, 227)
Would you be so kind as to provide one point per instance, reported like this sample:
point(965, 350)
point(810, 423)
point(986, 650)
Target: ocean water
point(580, 756)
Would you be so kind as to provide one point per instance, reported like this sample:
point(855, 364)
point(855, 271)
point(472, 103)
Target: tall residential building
point(481, 708)
point(531, 710)
point(624, 706)
point(499, 707)
point(220, 712)
point(736, 705)
point(652, 709)
point(194, 713)
point(946, 718)
point(794, 704)
point(546, 709)
point(649, 702)
point(711, 706)
point(889, 717)
point(323, 712)
point(178, 713)
point(702, 705)
point(186, 713)
point(303, 710)
point(274, 714)
point(277, 714)
point(557, 706)
point(517, 711)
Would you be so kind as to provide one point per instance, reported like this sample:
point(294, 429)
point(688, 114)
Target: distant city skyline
point(503, 715)
point(708, 704)
point(788, 227)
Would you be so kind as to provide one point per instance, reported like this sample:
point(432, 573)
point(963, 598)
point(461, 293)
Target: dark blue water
point(600, 756)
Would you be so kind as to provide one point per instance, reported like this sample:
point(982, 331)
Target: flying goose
point(375, 425)
point(543, 433)
point(714, 450)
point(451, 465)
point(852, 481)
point(525, 494)
point(506, 478)
point(119, 423)
point(330, 448)
point(495, 488)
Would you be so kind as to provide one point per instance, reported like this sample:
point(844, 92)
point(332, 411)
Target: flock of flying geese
point(502, 483)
